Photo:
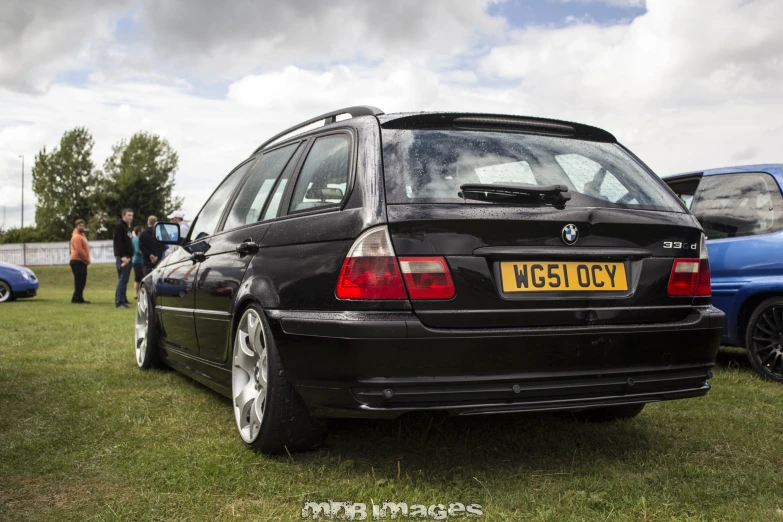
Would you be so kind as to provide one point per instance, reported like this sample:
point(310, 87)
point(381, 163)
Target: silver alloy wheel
point(249, 375)
point(142, 319)
point(5, 292)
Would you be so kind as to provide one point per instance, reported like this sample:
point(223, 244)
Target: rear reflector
point(427, 277)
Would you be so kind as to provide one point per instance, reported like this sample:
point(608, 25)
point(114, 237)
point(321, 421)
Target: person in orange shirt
point(80, 258)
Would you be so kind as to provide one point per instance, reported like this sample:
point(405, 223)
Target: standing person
point(80, 258)
point(123, 254)
point(138, 268)
point(178, 217)
point(151, 249)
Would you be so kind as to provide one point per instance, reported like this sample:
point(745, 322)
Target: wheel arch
point(255, 289)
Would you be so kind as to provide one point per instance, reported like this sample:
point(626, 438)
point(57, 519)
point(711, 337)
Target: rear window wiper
point(556, 195)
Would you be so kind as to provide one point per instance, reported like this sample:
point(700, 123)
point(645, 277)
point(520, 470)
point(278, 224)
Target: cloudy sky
point(686, 84)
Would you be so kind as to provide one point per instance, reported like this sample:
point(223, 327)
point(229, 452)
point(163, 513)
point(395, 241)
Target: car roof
point(775, 169)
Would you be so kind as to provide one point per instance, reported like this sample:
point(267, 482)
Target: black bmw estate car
point(468, 263)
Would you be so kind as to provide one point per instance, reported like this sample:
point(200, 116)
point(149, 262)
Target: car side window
point(251, 200)
point(737, 205)
point(209, 217)
point(274, 203)
point(324, 175)
point(684, 189)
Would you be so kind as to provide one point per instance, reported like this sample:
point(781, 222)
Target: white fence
point(35, 254)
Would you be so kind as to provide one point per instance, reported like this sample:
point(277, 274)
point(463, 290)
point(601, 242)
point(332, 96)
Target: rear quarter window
point(323, 179)
point(430, 165)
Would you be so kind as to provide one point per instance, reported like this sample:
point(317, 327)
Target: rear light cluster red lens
point(372, 271)
point(427, 277)
point(691, 277)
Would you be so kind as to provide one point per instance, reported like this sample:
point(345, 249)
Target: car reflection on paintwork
point(171, 286)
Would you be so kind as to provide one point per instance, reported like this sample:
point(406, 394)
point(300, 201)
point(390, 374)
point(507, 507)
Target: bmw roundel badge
point(570, 234)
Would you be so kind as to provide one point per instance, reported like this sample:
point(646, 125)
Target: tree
point(25, 235)
point(65, 183)
point(139, 175)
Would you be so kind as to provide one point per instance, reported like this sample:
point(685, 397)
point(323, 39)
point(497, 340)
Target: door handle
point(247, 247)
point(198, 257)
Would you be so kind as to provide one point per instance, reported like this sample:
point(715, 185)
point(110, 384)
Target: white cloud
point(673, 84)
point(236, 38)
point(40, 39)
point(615, 3)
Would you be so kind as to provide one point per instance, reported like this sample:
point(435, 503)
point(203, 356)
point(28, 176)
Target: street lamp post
point(24, 247)
point(22, 190)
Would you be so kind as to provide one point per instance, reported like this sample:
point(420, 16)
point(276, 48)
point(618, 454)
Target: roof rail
point(329, 117)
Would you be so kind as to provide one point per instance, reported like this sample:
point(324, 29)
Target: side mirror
point(167, 233)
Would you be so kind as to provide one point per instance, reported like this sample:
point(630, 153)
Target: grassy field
point(85, 435)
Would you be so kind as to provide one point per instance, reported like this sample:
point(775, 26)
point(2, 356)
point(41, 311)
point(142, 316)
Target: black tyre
point(610, 413)
point(764, 339)
point(6, 294)
point(146, 335)
point(270, 415)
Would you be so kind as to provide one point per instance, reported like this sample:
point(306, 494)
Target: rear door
point(604, 257)
point(232, 248)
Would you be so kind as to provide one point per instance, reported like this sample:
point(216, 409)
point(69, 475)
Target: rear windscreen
point(428, 166)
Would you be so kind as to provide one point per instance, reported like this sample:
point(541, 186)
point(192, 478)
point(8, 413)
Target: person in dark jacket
point(151, 249)
point(123, 253)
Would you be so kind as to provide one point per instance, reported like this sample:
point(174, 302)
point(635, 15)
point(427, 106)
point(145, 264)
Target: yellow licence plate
point(546, 276)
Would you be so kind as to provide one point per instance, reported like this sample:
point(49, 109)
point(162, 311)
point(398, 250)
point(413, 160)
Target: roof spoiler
point(500, 122)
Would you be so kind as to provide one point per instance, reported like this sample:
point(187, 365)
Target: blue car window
point(738, 205)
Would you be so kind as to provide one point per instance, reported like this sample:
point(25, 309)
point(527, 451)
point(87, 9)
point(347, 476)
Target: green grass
point(85, 435)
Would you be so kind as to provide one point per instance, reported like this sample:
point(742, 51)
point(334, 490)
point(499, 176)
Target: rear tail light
point(704, 286)
point(372, 271)
point(685, 275)
point(691, 277)
point(427, 277)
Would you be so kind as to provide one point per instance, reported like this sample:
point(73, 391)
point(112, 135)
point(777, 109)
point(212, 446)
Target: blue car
point(16, 281)
point(741, 211)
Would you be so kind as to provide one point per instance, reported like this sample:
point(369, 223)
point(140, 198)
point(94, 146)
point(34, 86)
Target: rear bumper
point(386, 364)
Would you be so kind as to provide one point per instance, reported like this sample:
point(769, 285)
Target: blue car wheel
point(765, 339)
point(5, 292)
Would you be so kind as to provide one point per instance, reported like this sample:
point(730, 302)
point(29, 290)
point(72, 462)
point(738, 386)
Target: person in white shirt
point(178, 217)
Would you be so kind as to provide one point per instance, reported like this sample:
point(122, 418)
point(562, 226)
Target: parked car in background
point(455, 262)
point(741, 211)
point(16, 281)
